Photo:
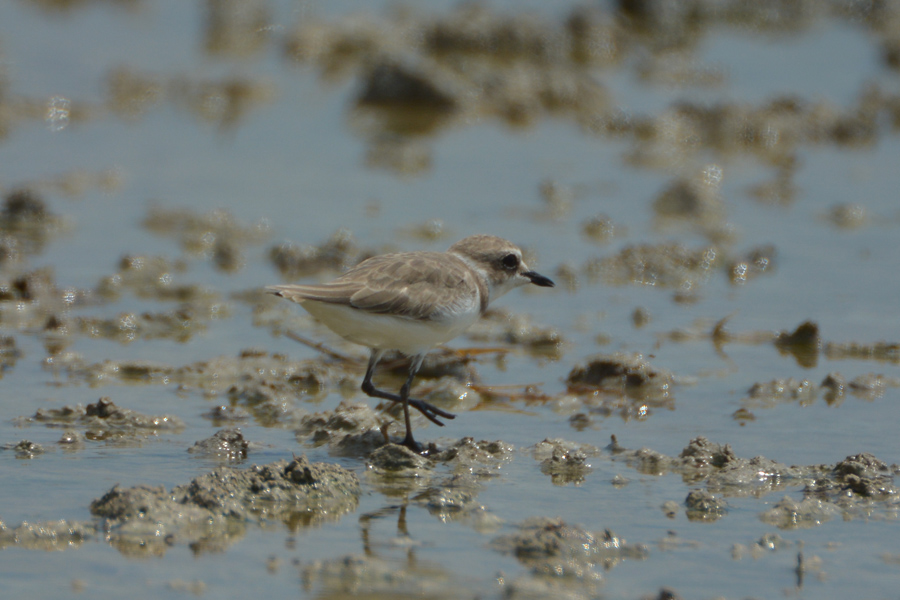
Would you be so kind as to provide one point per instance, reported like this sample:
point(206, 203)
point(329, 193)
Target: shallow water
point(294, 160)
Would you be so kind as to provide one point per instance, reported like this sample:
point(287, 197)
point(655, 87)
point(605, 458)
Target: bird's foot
point(430, 412)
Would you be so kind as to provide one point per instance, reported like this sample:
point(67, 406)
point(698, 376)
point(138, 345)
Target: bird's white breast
point(389, 332)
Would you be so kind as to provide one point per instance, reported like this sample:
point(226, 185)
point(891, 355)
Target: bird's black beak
point(538, 279)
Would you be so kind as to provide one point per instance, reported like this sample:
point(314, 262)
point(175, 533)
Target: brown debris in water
point(25, 449)
point(857, 487)
point(803, 343)
point(718, 333)
point(395, 470)
point(335, 254)
point(32, 301)
point(271, 388)
point(9, 353)
point(215, 235)
point(766, 544)
point(640, 317)
point(673, 266)
point(369, 575)
point(390, 87)
point(881, 351)
point(147, 277)
point(833, 389)
point(71, 440)
point(226, 414)
point(150, 277)
point(558, 198)
point(212, 511)
point(455, 499)
point(848, 216)
point(789, 513)
point(432, 230)
point(26, 225)
point(500, 326)
point(600, 229)
point(756, 261)
point(48, 536)
point(268, 386)
point(559, 554)
point(623, 384)
point(703, 506)
point(564, 461)
point(854, 486)
point(77, 183)
point(104, 421)
point(772, 131)
point(132, 94)
point(404, 156)
point(349, 429)
point(473, 63)
point(180, 324)
point(480, 458)
point(226, 444)
point(623, 373)
point(665, 265)
point(780, 189)
point(394, 460)
point(361, 429)
point(418, 74)
point(236, 28)
point(567, 276)
point(780, 391)
point(23, 208)
point(860, 476)
point(696, 201)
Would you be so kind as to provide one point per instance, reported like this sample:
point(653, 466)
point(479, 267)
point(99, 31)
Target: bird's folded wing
point(414, 289)
point(330, 293)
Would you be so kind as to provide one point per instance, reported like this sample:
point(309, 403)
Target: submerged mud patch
point(208, 514)
point(833, 389)
point(267, 386)
point(500, 326)
point(104, 421)
point(558, 554)
point(225, 444)
point(216, 235)
point(49, 536)
point(374, 576)
point(860, 486)
point(396, 471)
point(212, 511)
point(25, 449)
point(624, 384)
point(564, 461)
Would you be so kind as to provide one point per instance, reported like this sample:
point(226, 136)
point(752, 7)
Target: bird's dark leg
point(430, 411)
point(408, 441)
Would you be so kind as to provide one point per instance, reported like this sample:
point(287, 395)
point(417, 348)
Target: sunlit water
point(296, 164)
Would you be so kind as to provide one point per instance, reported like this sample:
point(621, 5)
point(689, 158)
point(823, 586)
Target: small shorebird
point(413, 301)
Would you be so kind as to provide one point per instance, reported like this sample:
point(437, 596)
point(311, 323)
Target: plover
point(413, 301)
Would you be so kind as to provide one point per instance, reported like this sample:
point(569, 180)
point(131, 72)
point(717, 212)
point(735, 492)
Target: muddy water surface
point(705, 406)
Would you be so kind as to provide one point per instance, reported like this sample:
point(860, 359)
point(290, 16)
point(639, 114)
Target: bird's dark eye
point(510, 261)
